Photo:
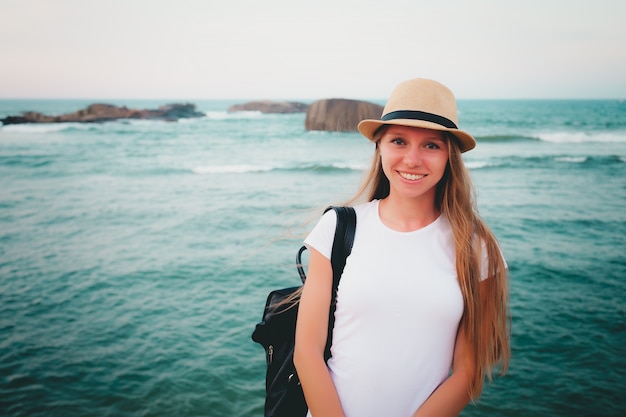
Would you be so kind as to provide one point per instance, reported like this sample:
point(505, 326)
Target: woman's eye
point(397, 141)
point(432, 145)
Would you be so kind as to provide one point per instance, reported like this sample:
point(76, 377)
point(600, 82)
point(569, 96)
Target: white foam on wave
point(351, 166)
point(223, 115)
point(188, 120)
point(572, 159)
point(229, 169)
point(583, 137)
point(41, 127)
point(319, 132)
point(477, 164)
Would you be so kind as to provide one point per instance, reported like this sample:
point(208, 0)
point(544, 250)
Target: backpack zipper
point(270, 354)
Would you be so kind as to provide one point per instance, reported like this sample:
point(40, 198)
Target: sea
point(136, 256)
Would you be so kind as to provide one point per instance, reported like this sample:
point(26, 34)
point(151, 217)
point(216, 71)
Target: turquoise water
point(135, 257)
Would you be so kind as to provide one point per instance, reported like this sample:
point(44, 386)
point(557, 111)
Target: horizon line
point(183, 99)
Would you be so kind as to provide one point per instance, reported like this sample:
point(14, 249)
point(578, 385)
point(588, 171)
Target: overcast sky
point(292, 49)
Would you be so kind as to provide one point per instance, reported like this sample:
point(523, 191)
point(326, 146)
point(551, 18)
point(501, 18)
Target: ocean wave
point(44, 127)
point(523, 162)
point(559, 137)
point(246, 169)
point(479, 164)
point(115, 126)
point(229, 169)
point(572, 159)
point(506, 138)
point(29, 161)
point(224, 115)
point(337, 166)
point(592, 160)
point(583, 137)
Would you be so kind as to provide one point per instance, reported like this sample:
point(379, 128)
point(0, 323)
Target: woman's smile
point(411, 177)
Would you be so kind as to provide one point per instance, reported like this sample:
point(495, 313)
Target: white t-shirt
point(399, 305)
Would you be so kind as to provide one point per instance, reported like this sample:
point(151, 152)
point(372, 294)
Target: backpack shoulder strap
point(344, 238)
point(342, 247)
point(342, 243)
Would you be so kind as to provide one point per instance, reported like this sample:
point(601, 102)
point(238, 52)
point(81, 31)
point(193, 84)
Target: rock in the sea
point(340, 115)
point(268, 106)
point(107, 112)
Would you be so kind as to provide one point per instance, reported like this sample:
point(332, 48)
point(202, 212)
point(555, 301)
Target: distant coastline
point(107, 112)
point(342, 115)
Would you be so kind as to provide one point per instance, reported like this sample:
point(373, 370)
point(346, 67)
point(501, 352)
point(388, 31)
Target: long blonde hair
point(485, 322)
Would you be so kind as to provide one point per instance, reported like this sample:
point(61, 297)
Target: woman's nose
point(413, 157)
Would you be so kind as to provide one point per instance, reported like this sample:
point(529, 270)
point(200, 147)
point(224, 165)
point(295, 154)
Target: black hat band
point(419, 115)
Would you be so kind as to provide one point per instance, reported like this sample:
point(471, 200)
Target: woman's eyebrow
point(434, 135)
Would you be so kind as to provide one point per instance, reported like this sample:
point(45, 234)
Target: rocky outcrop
point(108, 112)
point(340, 115)
point(268, 106)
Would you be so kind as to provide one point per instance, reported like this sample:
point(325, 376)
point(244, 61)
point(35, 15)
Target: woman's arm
point(452, 395)
point(449, 399)
point(311, 335)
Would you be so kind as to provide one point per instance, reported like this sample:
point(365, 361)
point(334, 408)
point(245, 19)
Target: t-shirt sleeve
point(323, 234)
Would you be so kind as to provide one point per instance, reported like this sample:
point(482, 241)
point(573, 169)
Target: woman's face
point(414, 160)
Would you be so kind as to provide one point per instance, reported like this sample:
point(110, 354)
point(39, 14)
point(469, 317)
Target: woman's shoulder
point(366, 208)
point(362, 210)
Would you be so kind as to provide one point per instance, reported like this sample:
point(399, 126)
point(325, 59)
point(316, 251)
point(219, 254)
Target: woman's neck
point(407, 215)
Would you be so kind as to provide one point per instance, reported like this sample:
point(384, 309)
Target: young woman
point(422, 305)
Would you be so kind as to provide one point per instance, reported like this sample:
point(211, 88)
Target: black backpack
point(276, 332)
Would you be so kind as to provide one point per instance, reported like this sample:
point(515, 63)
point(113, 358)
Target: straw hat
point(421, 103)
